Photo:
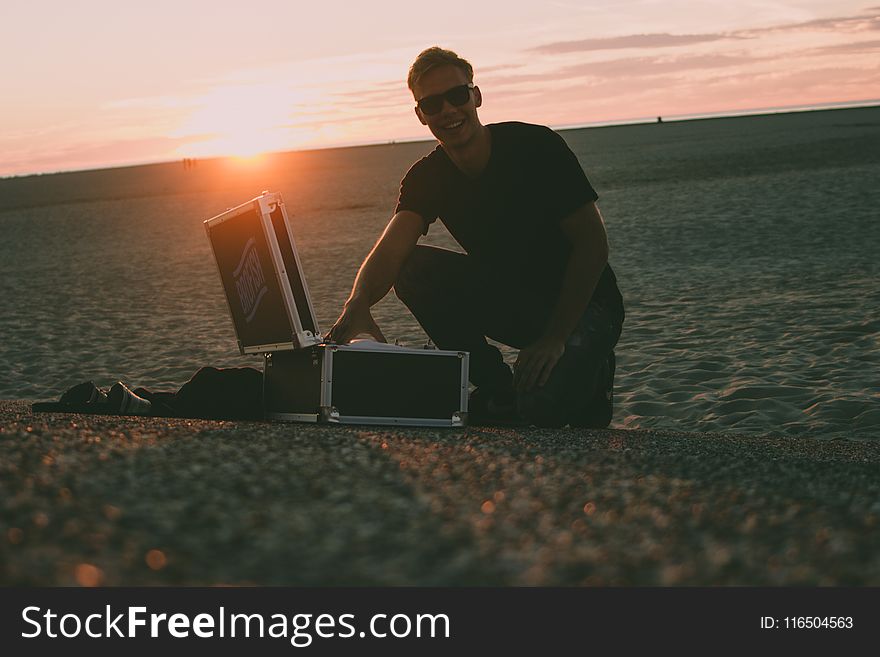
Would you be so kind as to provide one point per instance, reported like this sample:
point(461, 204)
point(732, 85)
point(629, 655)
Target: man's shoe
point(125, 402)
point(600, 410)
point(493, 407)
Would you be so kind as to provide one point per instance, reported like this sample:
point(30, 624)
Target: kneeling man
point(534, 274)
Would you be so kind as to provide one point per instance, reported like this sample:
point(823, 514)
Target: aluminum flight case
point(367, 383)
point(305, 379)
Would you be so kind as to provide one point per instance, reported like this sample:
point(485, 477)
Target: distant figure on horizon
point(534, 275)
point(659, 119)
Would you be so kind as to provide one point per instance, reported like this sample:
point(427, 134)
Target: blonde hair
point(436, 56)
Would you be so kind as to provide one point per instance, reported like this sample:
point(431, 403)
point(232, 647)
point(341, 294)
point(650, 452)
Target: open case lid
point(262, 277)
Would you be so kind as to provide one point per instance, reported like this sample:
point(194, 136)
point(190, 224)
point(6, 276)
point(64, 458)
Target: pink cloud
point(868, 20)
point(850, 47)
point(629, 41)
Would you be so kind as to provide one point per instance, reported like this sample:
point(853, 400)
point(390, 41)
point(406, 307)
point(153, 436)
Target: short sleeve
point(566, 184)
point(418, 194)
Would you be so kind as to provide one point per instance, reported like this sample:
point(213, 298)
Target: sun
point(241, 144)
point(239, 121)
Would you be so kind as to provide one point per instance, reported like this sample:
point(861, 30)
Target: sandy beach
point(745, 249)
point(743, 449)
point(100, 500)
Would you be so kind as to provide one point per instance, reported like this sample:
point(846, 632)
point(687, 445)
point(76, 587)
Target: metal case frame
point(327, 412)
point(265, 205)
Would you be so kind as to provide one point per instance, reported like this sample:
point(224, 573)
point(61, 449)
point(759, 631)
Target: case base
point(375, 385)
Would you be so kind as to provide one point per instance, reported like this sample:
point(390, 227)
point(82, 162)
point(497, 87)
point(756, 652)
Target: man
point(534, 275)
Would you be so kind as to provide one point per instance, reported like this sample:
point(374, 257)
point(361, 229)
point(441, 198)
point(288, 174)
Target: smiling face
point(452, 126)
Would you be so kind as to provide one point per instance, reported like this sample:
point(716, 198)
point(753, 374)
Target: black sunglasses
point(456, 96)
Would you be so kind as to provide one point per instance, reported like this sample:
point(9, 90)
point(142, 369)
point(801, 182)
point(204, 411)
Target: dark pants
point(459, 306)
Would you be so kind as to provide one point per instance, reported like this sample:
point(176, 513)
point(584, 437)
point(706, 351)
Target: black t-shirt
point(508, 219)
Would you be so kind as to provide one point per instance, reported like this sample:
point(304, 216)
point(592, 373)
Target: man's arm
point(377, 274)
point(585, 229)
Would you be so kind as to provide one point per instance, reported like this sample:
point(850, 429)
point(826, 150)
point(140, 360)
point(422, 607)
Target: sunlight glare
point(240, 121)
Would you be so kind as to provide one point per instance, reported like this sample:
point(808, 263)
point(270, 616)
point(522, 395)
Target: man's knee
point(427, 272)
point(411, 273)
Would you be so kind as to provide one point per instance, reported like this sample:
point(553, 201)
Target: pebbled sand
point(93, 500)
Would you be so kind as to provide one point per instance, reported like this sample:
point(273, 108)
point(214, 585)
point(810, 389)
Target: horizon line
point(674, 118)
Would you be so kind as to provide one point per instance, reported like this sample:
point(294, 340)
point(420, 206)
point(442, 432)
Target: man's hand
point(354, 320)
point(536, 362)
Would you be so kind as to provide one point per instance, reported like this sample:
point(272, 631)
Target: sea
point(746, 249)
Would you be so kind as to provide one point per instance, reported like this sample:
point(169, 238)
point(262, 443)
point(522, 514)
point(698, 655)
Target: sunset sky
point(96, 83)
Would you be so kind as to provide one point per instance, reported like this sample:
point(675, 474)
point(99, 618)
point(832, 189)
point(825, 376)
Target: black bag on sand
point(234, 393)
